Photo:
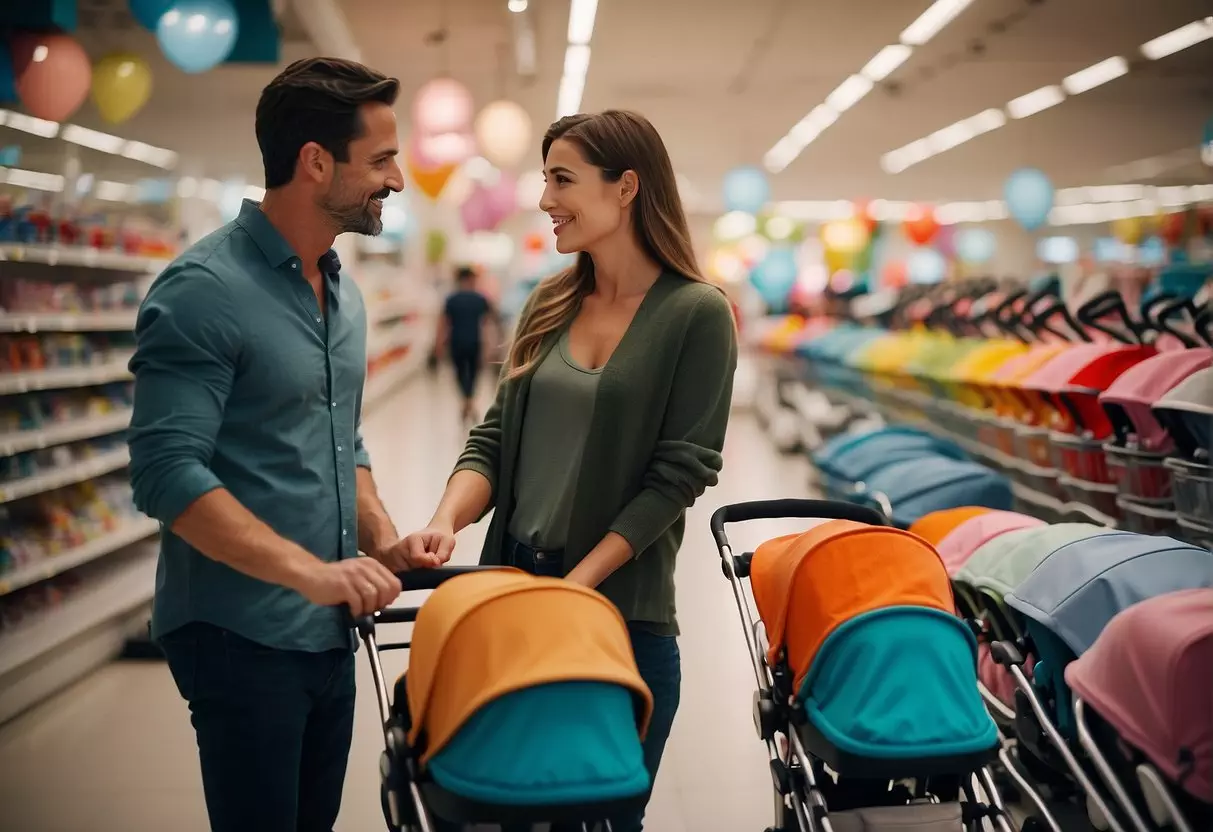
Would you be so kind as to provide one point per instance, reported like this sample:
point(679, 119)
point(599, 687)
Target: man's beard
point(355, 217)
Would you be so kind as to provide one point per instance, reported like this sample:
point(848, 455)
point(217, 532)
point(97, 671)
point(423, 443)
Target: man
point(245, 444)
point(459, 331)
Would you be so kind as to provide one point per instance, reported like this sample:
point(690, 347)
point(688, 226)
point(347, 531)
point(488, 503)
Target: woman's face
point(584, 207)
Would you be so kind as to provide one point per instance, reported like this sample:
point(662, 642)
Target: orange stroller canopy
point(487, 634)
point(807, 585)
point(937, 525)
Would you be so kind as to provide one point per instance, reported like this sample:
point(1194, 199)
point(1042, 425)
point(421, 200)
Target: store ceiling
point(723, 81)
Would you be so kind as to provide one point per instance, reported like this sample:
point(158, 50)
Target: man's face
point(354, 199)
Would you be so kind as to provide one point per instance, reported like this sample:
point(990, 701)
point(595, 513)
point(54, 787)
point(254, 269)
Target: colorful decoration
point(487, 206)
point(52, 72)
point(442, 105)
point(926, 265)
point(845, 236)
point(1172, 228)
point(975, 246)
point(1206, 144)
point(863, 213)
point(1029, 196)
point(429, 180)
point(1129, 230)
point(746, 189)
point(775, 277)
point(534, 243)
point(122, 83)
point(197, 35)
point(503, 131)
point(920, 225)
point(435, 247)
point(894, 275)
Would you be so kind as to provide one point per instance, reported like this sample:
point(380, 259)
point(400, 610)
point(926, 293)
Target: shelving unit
point(107, 578)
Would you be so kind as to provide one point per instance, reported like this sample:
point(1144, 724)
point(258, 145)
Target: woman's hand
point(429, 548)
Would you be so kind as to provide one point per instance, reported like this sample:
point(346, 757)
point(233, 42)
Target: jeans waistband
point(548, 562)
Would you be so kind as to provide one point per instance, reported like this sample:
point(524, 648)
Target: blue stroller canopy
point(1080, 586)
point(855, 457)
point(918, 487)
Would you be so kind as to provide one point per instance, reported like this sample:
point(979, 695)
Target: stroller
point(909, 490)
point(1149, 732)
point(490, 725)
point(1060, 609)
point(959, 543)
point(865, 676)
point(1187, 414)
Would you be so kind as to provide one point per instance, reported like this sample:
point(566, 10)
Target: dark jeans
point(660, 665)
point(273, 728)
point(467, 368)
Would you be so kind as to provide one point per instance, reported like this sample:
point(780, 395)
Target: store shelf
point(389, 309)
point(62, 433)
point(49, 566)
point(80, 256)
point(111, 590)
point(390, 337)
point(390, 377)
point(122, 320)
point(61, 377)
point(67, 475)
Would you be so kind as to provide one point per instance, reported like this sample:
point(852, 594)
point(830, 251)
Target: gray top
point(558, 413)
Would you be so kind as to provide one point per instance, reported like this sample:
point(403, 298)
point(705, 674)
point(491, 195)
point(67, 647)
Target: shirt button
point(338, 447)
point(333, 404)
point(294, 265)
point(317, 320)
point(344, 533)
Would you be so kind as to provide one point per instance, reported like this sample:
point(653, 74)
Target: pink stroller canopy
point(1148, 675)
point(1144, 384)
point(1057, 373)
point(965, 539)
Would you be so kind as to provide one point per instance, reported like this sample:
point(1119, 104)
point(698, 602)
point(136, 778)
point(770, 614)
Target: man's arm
point(187, 350)
point(375, 529)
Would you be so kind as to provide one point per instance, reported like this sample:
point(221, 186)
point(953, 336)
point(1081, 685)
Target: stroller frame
point(407, 793)
point(797, 775)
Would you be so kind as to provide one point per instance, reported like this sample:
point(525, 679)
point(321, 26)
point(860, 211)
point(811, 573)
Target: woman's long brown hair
point(614, 141)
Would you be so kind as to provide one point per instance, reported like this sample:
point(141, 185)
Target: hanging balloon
point(442, 105)
point(435, 246)
point(975, 245)
point(775, 277)
point(920, 225)
point(52, 72)
point(147, 13)
point(863, 213)
point(479, 212)
point(430, 181)
point(927, 266)
point(8, 77)
point(894, 275)
point(746, 189)
point(198, 35)
point(1029, 196)
point(433, 150)
point(845, 236)
point(1173, 227)
point(1129, 230)
point(122, 84)
point(533, 243)
point(503, 131)
point(837, 261)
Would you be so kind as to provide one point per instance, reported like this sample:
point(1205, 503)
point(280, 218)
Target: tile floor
point(116, 752)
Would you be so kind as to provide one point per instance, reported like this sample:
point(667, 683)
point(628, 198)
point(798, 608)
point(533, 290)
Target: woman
point(611, 412)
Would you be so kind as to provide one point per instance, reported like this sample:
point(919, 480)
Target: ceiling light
point(581, 20)
point(29, 124)
point(1179, 39)
point(1035, 101)
point(885, 61)
point(34, 180)
point(94, 139)
point(113, 191)
point(849, 93)
point(148, 154)
point(932, 21)
point(517, 6)
point(568, 99)
point(1093, 76)
point(576, 60)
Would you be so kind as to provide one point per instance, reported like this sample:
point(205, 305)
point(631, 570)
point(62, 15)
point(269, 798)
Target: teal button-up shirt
point(242, 383)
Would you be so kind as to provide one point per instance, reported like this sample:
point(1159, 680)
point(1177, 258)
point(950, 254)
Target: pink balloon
point(442, 105)
point(53, 74)
point(504, 196)
point(478, 212)
point(945, 241)
point(435, 150)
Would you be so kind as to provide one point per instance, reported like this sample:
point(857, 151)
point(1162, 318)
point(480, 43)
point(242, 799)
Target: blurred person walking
point(245, 444)
point(461, 334)
point(610, 416)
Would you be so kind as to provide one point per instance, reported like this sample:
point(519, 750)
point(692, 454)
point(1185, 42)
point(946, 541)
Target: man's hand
point(429, 548)
point(363, 584)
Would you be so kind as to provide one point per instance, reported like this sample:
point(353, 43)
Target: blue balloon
point(147, 13)
point(197, 35)
point(926, 265)
point(8, 76)
point(1029, 195)
point(1206, 144)
point(975, 245)
point(746, 189)
point(775, 277)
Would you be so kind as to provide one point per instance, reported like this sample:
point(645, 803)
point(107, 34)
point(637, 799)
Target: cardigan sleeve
point(687, 459)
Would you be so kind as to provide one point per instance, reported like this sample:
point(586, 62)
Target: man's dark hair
point(315, 100)
point(464, 274)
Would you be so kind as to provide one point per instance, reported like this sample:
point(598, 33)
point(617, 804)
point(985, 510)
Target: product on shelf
point(35, 223)
point(57, 457)
point(46, 409)
point(19, 296)
point(59, 521)
point(56, 350)
point(18, 608)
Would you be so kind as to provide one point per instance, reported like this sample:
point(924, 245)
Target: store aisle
point(116, 751)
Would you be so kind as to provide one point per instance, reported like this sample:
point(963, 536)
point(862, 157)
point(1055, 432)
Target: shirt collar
point(276, 249)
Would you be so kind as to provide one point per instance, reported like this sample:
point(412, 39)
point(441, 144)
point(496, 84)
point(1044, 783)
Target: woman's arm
point(687, 459)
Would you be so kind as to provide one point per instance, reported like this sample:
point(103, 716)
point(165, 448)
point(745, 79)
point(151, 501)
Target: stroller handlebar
point(414, 580)
point(775, 509)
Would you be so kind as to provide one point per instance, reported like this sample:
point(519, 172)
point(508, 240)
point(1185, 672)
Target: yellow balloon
point(1128, 230)
point(122, 84)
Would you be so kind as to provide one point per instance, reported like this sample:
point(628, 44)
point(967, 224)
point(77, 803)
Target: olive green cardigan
point(654, 444)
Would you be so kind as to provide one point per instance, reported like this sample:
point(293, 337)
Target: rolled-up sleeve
point(687, 459)
point(186, 354)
